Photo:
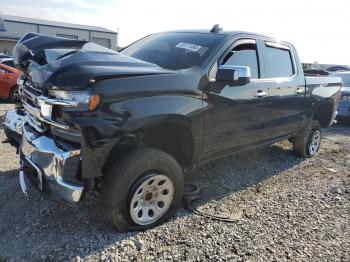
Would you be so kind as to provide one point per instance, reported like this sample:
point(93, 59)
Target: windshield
point(345, 78)
point(175, 50)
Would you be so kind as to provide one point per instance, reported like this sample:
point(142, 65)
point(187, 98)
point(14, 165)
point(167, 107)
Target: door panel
point(285, 108)
point(234, 117)
point(286, 89)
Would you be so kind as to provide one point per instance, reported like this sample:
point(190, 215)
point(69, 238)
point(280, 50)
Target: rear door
point(286, 88)
point(234, 116)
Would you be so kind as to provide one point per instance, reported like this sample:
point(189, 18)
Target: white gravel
point(283, 208)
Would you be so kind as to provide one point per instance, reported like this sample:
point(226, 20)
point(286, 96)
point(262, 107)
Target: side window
point(278, 62)
point(244, 55)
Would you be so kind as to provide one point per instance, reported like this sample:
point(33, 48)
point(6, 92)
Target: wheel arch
point(324, 113)
point(12, 88)
point(171, 134)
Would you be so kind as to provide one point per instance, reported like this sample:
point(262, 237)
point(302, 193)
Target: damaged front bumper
point(50, 167)
point(12, 122)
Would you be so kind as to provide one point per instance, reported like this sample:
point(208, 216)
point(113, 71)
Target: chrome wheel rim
point(16, 94)
point(315, 142)
point(152, 199)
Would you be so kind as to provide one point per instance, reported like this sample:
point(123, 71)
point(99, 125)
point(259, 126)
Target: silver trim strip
point(277, 45)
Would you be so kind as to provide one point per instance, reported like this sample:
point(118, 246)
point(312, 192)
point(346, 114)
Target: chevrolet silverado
point(130, 124)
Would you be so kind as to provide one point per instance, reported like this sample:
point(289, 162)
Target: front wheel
point(308, 142)
point(14, 95)
point(143, 190)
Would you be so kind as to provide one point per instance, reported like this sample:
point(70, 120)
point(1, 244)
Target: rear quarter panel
point(320, 92)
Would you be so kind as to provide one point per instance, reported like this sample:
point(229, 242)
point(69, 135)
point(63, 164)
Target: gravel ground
point(280, 208)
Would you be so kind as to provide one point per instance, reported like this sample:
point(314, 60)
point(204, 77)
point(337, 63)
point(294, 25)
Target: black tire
point(301, 142)
point(123, 179)
point(13, 94)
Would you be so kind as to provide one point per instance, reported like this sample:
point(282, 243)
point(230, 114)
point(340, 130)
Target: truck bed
point(322, 80)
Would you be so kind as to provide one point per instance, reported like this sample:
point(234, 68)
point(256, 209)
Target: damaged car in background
point(130, 124)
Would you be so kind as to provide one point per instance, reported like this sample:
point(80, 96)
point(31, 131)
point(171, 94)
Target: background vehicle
point(337, 68)
point(131, 124)
point(2, 55)
point(7, 61)
point(344, 103)
point(316, 72)
point(8, 82)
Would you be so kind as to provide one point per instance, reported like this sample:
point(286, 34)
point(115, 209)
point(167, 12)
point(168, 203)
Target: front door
point(234, 117)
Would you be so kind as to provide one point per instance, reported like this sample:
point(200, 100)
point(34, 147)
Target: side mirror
point(233, 75)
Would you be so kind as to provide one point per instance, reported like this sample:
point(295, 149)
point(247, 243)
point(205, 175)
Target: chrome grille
point(35, 103)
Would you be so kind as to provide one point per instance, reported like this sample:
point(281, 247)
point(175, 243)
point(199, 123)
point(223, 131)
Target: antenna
point(216, 29)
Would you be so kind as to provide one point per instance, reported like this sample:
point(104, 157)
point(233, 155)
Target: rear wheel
point(308, 142)
point(143, 190)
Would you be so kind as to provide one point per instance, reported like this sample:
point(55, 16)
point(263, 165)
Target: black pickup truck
point(132, 123)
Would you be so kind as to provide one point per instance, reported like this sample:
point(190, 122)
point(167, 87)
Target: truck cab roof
point(223, 32)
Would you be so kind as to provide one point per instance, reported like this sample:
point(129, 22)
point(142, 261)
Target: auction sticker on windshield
point(188, 46)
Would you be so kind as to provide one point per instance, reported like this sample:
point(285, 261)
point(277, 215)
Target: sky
point(319, 29)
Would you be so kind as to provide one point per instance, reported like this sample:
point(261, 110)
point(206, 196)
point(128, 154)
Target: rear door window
point(278, 62)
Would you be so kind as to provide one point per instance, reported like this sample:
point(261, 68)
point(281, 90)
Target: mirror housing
point(233, 75)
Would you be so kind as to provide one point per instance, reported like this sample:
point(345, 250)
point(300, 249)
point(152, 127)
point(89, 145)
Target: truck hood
point(72, 64)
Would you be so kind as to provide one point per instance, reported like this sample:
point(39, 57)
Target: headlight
point(82, 97)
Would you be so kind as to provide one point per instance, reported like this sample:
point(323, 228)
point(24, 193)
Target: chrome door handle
point(260, 93)
point(299, 91)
